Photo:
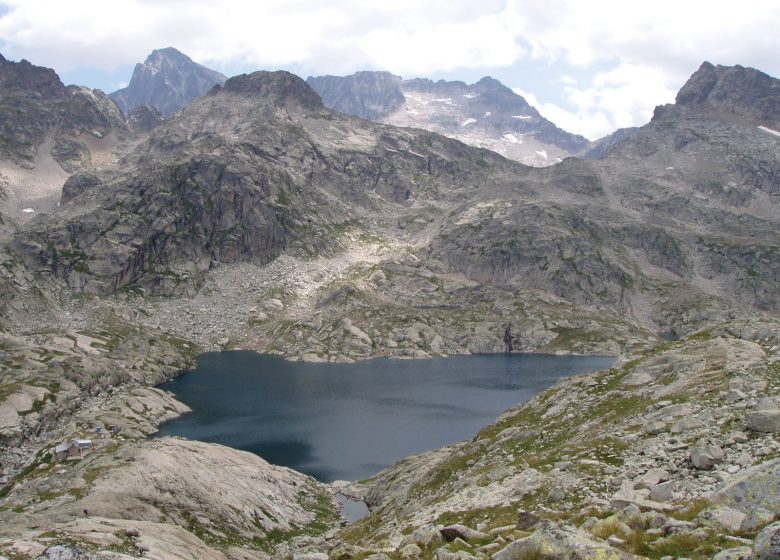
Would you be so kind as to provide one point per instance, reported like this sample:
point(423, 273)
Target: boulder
point(425, 536)
point(767, 543)
point(410, 552)
point(458, 531)
point(552, 540)
point(555, 495)
point(662, 492)
point(755, 492)
point(738, 553)
point(767, 421)
point(724, 517)
point(767, 403)
point(685, 424)
point(705, 455)
point(651, 478)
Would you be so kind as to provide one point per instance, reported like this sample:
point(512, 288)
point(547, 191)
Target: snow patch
point(471, 95)
point(467, 122)
point(542, 153)
point(28, 210)
point(669, 168)
point(524, 117)
point(512, 139)
point(487, 114)
point(769, 130)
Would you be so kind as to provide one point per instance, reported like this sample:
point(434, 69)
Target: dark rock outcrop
point(167, 80)
point(368, 95)
point(144, 118)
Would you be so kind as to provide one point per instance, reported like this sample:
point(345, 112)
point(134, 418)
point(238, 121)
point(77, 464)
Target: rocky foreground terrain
point(257, 218)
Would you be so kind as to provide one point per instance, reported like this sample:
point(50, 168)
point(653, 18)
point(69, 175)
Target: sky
point(590, 67)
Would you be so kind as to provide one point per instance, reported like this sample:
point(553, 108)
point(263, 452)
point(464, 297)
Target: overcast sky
point(590, 67)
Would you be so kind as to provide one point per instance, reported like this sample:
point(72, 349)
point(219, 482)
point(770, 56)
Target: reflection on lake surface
point(348, 421)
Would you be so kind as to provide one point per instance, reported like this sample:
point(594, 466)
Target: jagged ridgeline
point(678, 220)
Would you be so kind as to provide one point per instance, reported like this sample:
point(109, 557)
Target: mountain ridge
point(484, 114)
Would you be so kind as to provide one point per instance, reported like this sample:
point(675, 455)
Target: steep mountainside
point(486, 114)
point(677, 224)
point(166, 81)
point(49, 131)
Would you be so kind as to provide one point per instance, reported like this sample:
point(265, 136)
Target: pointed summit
point(167, 81)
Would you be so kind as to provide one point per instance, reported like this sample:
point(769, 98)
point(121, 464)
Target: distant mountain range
point(167, 81)
point(486, 114)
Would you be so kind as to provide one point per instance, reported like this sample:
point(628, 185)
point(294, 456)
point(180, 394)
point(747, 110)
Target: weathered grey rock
point(555, 495)
point(767, 403)
point(755, 492)
point(735, 395)
point(766, 421)
point(705, 455)
point(410, 551)
point(425, 536)
point(767, 543)
point(724, 517)
point(685, 424)
point(559, 541)
point(662, 492)
point(738, 553)
point(656, 427)
point(651, 478)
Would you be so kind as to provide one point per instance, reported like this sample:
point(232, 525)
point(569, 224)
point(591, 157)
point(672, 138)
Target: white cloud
point(629, 56)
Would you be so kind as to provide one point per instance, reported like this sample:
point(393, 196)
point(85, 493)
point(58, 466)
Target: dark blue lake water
point(348, 421)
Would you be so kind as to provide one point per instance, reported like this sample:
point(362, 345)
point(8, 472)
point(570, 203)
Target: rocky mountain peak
point(168, 80)
point(158, 57)
point(737, 90)
point(279, 88)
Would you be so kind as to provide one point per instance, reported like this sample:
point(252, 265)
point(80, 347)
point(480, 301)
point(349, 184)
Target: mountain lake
point(348, 421)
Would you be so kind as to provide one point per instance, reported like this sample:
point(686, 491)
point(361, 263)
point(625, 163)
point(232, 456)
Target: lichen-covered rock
point(560, 541)
point(767, 543)
point(755, 492)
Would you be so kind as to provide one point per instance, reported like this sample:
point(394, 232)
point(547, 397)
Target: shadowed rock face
point(167, 81)
point(368, 95)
